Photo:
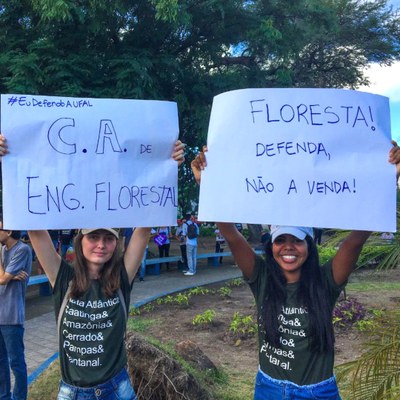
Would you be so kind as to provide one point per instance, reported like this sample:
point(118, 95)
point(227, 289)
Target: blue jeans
point(142, 270)
point(117, 388)
point(12, 356)
point(191, 252)
point(268, 388)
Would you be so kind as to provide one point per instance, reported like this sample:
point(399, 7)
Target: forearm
point(346, 258)
point(357, 239)
point(4, 276)
point(242, 252)
point(47, 255)
point(228, 230)
point(135, 250)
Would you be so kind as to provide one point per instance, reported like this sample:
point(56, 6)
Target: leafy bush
point(243, 326)
point(347, 312)
point(376, 374)
point(236, 282)
point(134, 311)
point(246, 233)
point(206, 318)
point(148, 307)
point(198, 291)
point(224, 291)
point(373, 254)
point(207, 231)
point(326, 253)
point(180, 299)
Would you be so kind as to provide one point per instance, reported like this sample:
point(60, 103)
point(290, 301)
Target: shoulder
point(327, 275)
point(261, 270)
point(19, 249)
point(24, 247)
point(66, 272)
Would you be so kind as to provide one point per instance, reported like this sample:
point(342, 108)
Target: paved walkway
point(40, 326)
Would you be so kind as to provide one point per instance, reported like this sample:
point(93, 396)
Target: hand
point(394, 156)
point(21, 276)
point(178, 153)
point(3, 145)
point(198, 164)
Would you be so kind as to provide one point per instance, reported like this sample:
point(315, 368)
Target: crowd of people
point(294, 298)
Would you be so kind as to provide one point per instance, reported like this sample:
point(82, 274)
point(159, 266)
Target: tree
point(188, 51)
point(376, 374)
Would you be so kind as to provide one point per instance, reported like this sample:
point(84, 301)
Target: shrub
point(207, 231)
point(224, 291)
point(148, 307)
point(134, 311)
point(199, 290)
point(326, 253)
point(243, 326)
point(236, 282)
point(347, 312)
point(206, 318)
point(180, 299)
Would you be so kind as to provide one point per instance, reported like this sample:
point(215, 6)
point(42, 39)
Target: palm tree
point(376, 374)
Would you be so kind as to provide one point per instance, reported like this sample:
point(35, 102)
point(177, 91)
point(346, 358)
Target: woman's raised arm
point(242, 252)
point(46, 253)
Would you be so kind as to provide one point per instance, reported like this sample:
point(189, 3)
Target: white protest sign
point(88, 163)
point(303, 157)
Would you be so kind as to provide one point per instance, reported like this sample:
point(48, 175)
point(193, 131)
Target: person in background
point(387, 236)
point(142, 269)
point(265, 236)
point(182, 242)
point(15, 269)
point(91, 299)
point(126, 235)
point(163, 242)
point(191, 232)
point(219, 242)
point(25, 239)
point(295, 298)
point(66, 237)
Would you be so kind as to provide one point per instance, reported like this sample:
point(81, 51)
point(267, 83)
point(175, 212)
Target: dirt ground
point(174, 322)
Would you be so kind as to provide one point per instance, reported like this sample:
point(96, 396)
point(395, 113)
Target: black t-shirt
point(292, 361)
point(92, 329)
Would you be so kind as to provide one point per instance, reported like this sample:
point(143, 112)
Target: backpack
point(192, 231)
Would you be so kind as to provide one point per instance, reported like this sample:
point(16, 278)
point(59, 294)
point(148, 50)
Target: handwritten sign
point(88, 163)
point(304, 157)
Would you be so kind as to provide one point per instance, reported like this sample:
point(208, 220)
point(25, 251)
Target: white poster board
point(303, 157)
point(88, 163)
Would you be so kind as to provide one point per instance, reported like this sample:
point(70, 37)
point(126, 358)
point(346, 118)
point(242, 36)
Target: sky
point(386, 81)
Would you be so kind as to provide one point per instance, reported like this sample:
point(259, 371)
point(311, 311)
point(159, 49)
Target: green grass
point(368, 286)
point(46, 385)
point(140, 324)
point(239, 385)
